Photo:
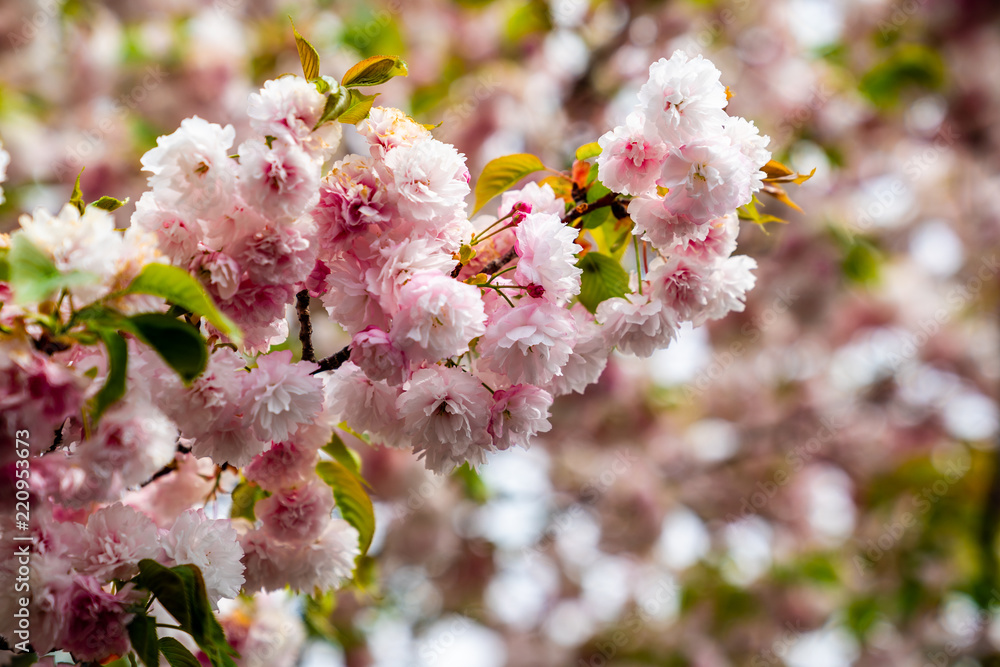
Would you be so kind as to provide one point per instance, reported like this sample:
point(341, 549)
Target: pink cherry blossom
point(296, 513)
point(529, 343)
point(426, 180)
point(191, 168)
point(280, 181)
point(547, 252)
point(655, 223)
point(387, 128)
point(369, 405)
point(683, 97)
point(438, 317)
point(518, 414)
point(211, 545)
point(631, 156)
point(707, 178)
point(351, 199)
point(283, 465)
point(447, 414)
point(282, 396)
point(637, 324)
point(374, 353)
point(96, 621)
point(117, 537)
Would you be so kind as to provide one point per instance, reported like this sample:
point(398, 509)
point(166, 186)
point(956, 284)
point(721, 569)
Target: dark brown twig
point(498, 264)
point(334, 361)
point(305, 325)
point(169, 468)
point(583, 208)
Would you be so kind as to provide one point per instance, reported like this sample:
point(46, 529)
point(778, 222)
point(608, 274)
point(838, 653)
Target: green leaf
point(358, 108)
point(317, 610)
point(23, 659)
point(612, 235)
point(529, 18)
point(352, 499)
point(603, 278)
point(503, 172)
point(76, 197)
point(181, 288)
point(343, 454)
point(245, 497)
point(169, 589)
point(862, 262)
point(179, 344)
point(33, 276)
point(181, 591)
point(587, 151)
point(142, 634)
point(114, 385)
point(373, 71)
point(177, 654)
point(750, 212)
point(596, 190)
point(596, 218)
point(308, 55)
point(109, 203)
point(472, 483)
point(911, 65)
point(337, 102)
point(599, 216)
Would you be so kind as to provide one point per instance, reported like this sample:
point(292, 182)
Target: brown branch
point(583, 208)
point(169, 468)
point(498, 264)
point(305, 325)
point(334, 361)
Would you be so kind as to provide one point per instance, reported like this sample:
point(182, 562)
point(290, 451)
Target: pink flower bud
point(536, 291)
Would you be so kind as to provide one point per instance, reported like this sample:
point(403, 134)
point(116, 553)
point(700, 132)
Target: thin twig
point(305, 325)
point(498, 264)
point(583, 208)
point(334, 361)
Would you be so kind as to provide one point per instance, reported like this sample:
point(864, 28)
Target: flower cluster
point(689, 165)
point(463, 331)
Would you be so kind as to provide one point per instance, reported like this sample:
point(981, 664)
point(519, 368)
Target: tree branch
point(583, 208)
point(498, 264)
point(334, 361)
point(305, 325)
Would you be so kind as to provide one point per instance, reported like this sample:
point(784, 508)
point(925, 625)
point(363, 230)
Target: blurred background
point(810, 483)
